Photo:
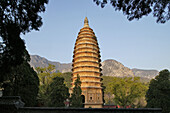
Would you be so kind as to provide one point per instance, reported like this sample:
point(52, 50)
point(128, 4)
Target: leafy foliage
point(24, 83)
point(76, 98)
point(58, 92)
point(46, 76)
point(16, 17)
point(24, 14)
point(108, 95)
point(136, 9)
point(52, 91)
point(124, 91)
point(158, 95)
point(67, 78)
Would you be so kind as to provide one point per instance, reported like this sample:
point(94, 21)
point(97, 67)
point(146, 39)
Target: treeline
point(54, 88)
point(42, 87)
point(133, 92)
point(47, 88)
point(126, 92)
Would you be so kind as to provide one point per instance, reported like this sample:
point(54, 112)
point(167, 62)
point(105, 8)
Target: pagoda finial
point(86, 22)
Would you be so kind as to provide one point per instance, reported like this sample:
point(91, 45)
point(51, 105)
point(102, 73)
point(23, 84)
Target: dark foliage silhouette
point(16, 17)
point(76, 97)
point(58, 92)
point(24, 83)
point(158, 94)
point(136, 9)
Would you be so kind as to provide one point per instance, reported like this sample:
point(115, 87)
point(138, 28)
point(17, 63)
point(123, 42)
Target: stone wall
point(85, 110)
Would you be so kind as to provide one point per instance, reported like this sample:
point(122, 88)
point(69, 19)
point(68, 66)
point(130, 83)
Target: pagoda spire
point(86, 22)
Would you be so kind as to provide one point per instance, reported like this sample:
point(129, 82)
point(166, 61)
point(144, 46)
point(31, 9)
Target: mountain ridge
point(109, 67)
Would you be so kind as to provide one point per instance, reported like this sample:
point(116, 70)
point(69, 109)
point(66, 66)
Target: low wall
point(86, 110)
point(14, 104)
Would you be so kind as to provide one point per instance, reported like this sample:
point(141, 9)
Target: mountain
point(109, 68)
point(37, 61)
point(145, 73)
point(114, 68)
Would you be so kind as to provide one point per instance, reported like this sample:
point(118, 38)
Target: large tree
point(127, 90)
point(16, 17)
point(46, 75)
point(76, 98)
point(136, 9)
point(24, 83)
point(158, 94)
point(58, 92)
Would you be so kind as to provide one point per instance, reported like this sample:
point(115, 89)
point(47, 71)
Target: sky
point(142, 44)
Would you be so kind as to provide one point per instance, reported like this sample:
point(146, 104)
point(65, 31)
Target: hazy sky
point(140, 43)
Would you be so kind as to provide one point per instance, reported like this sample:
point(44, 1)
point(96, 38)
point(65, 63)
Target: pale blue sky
point(140, 44)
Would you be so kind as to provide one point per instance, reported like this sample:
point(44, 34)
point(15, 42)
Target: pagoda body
point(86, 64)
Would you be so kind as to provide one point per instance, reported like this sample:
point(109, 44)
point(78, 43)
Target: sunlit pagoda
point(86, 64)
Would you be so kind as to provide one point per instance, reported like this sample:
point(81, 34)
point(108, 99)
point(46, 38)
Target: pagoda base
point(93, 106)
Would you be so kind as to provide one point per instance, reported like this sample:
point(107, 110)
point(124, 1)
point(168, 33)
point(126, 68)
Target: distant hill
point(145, 73)
point(37, 61)
point(109, 68)
point(114, 68)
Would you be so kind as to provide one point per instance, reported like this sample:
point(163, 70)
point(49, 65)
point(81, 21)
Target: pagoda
point(87, 64)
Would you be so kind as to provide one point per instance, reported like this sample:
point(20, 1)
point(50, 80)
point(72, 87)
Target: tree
point(76, 98)
point(47, 90)
point(127, 90)
point(108, 95)
point(46, 76)
point(136, 9)
point(24, 83)
point(58, 92)
point(67, 78)
point(16, 17)
point(158, 94)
